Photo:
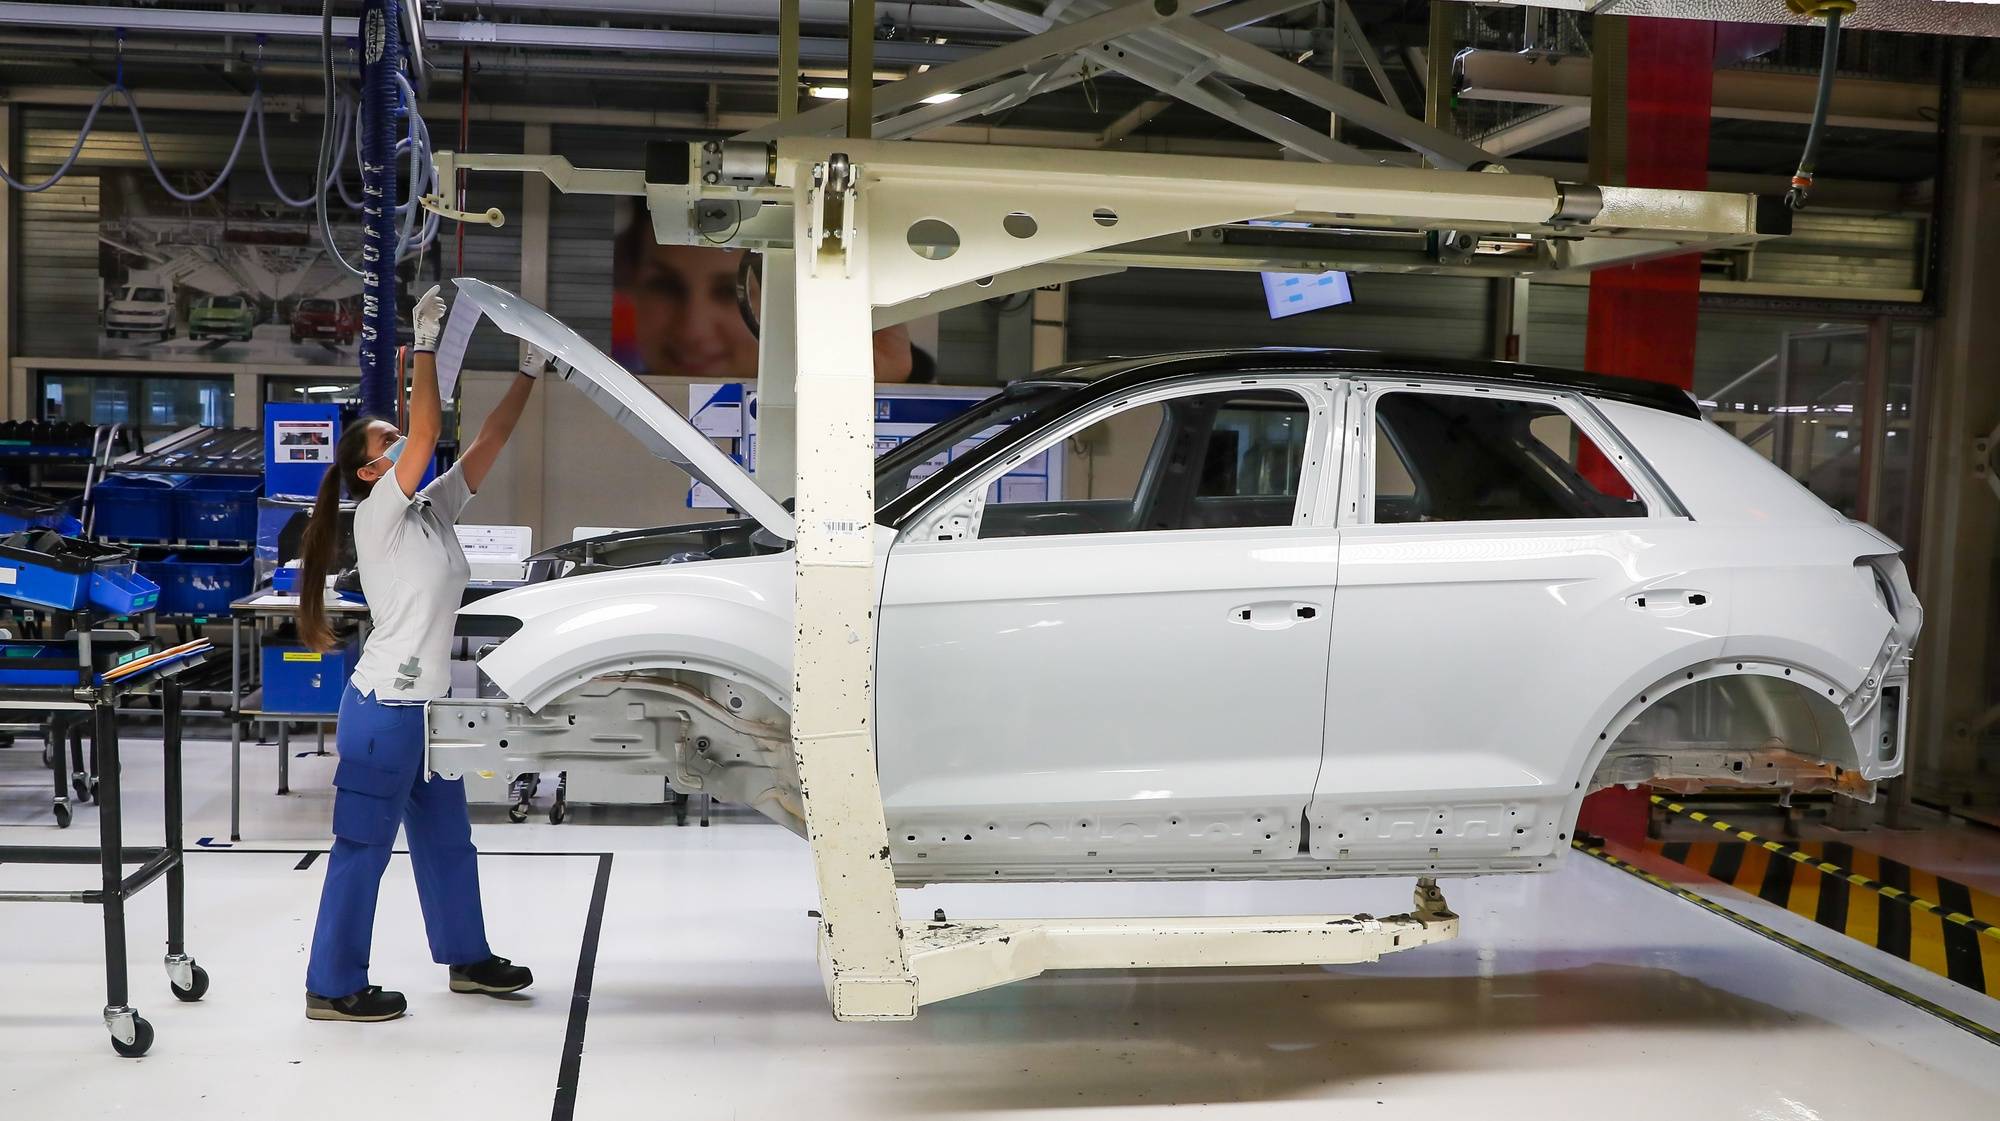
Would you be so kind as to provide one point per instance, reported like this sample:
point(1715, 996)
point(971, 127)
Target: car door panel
point(1474, 662)
point(1470, 666)
point(1103, 697)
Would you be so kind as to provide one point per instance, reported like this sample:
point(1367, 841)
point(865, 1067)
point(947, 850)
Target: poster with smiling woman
point(676, 310)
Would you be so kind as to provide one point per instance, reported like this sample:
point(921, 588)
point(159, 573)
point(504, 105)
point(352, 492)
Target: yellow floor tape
point(1845, 968)
point(1928, 920)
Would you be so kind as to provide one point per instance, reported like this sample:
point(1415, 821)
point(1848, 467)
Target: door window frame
point(1311, 506)
point(1357, 498)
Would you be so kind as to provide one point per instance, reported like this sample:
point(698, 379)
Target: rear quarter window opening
point(1458, 457)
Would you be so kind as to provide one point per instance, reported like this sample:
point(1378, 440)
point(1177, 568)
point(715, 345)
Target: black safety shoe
point(494, 975)
point(371, 1005)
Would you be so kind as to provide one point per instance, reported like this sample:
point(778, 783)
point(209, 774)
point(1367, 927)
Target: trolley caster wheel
point(517, 814)
point(197, 986)
point(63, 815)
point(558, 812)
point(82, 789)
point(142, 1039)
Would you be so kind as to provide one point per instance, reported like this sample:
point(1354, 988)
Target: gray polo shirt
point(413, 571)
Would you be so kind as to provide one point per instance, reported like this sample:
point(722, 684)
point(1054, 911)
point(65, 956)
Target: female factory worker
point(413, 572)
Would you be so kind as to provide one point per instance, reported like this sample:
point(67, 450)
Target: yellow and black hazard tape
point(1844, 968)
point(1827, 868)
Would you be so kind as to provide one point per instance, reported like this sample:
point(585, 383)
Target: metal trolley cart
point(89, 580)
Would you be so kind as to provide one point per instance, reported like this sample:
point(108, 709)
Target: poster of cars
point(221, 280)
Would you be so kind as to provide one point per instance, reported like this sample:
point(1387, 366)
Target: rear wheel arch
point(1711, 714)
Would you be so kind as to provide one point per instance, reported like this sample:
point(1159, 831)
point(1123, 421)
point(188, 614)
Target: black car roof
point(1115, 375)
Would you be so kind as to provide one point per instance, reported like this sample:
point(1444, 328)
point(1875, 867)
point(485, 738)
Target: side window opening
point(1230, 459)
point(1446, 457)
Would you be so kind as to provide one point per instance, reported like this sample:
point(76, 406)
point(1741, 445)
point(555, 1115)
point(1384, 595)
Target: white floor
point(1582, 994)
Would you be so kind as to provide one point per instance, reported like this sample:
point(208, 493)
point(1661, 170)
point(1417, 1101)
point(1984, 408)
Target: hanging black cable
point(1831, 11)
point(750, 263)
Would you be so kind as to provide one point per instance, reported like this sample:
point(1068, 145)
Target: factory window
point(1205, 461)
point(1451, 457)
point(154, 404)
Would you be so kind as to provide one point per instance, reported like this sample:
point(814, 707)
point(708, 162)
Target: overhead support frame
point(846, 216)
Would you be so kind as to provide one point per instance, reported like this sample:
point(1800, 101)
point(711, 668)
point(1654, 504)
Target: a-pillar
point(1652, 83)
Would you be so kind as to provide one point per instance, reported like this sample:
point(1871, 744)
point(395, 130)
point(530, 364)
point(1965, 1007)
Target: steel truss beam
point(1177, 57)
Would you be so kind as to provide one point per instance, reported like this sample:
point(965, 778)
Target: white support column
point(247, 409)
point(777, 377)
point(860, 940)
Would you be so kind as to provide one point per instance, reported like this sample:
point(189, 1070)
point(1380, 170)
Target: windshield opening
point(917, 459)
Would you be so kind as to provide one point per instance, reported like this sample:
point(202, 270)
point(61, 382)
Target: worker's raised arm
point(499, 424)
point(426, 412)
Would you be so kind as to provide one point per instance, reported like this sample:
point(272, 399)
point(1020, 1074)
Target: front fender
point(732, 619)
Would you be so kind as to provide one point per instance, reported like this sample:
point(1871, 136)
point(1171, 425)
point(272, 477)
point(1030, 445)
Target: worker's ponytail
point(316, 548)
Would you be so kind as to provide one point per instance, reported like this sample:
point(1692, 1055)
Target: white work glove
point(428, 319)
point(533, 361)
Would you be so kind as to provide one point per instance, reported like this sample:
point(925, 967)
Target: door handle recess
point(1272, 616)
point(1668, 602)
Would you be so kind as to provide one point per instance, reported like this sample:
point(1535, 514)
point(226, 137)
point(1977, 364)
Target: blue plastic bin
point(304, 681)
point(65, 573)
point(136, 507)
point(123, 592)
point(217, 508)
point(195, 585)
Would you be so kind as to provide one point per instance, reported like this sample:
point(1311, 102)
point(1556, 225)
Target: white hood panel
point(640, 411)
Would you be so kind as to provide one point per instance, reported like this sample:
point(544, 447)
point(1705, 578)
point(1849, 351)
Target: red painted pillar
point(1653, 82)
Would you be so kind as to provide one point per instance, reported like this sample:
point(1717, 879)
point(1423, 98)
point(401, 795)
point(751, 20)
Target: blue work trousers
point(380, 783)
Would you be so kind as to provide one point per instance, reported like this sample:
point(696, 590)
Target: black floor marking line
point(579, 1003)
point(306, 861)
point(564, 1108)
point(1887, 988)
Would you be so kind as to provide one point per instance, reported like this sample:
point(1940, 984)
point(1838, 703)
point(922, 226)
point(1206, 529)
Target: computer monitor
point(1290, 293)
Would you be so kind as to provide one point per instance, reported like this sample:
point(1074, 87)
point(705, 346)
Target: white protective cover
point(637, 409)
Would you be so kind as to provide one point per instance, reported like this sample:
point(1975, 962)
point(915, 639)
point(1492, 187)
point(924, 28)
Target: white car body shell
point(1326, 697)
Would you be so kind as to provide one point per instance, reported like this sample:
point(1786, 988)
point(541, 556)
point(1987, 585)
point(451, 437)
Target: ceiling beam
point(1057, 42)
point(470, 33)
point(1552, 123)
point(1751, 95)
